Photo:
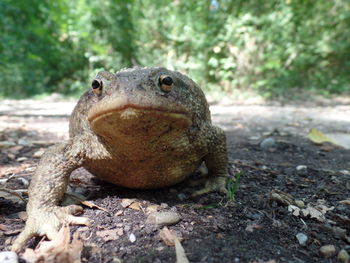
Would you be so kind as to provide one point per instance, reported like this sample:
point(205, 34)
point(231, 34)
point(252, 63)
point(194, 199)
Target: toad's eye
point(97, 86)
point(166, 83)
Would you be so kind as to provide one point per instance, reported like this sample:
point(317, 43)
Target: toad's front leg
point(46, 190)
point(217, 162)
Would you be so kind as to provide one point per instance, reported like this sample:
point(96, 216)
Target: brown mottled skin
point(132, 130)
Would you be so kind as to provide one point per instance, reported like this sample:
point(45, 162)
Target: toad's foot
point(47, 221)
point(214, 184)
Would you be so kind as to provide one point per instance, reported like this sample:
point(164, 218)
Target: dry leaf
point(340, 139)
point(58, 250)
point(119, 213)
point(180, 252)
point(318, 137)
point(92, 205)
point(170, 239)
point(127, 202)
point(294, 209)
point(281, 197)
point(317, 211)
point(152, 208)
point(167, 237)
point(110, 234)
point(13, 195)
point(136, 206)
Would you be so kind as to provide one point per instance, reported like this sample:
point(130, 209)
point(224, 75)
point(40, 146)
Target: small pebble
point(11, 156)
point(267, 143)
point(8, 257)
point(328, 250)
point(22, 159)
point(302, 238)
point(346, 172)
point(302, 169)
point(299, 203)
point(343, 256)
point(38, 153)
point(163, 218)
point(132, 238)
point(30, 169)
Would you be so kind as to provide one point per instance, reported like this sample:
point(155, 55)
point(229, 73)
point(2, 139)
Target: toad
point(140, 128)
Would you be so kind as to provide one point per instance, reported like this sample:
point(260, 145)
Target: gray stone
point(343, 256)
point(328, 250)
point(302, 169)
point(163, 218)
point(267, 143)
point(299, 203)
point(132, 238)
point(302, 238)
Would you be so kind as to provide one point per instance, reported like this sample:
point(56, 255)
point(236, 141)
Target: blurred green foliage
point(272, 47)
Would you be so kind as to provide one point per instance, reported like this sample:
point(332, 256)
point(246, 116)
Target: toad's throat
point(130, 124)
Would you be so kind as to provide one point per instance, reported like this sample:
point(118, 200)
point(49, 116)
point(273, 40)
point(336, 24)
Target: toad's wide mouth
point(129, 110)
point(126, 104)
point(130, 123)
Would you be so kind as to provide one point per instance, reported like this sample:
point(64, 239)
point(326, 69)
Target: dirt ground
point(289, 188)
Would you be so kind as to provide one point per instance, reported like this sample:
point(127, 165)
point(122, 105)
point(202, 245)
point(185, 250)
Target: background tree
point(271, 47)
